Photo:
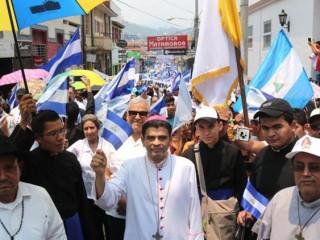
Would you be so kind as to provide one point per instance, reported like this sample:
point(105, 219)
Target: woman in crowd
point(84, 150)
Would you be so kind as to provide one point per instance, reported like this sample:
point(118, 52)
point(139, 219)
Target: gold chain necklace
point(157, 235)
point(300, 236)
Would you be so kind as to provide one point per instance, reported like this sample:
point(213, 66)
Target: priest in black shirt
point(272, 171)
point(53, 168)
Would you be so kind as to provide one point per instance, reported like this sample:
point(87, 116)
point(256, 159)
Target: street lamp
point(283, 20)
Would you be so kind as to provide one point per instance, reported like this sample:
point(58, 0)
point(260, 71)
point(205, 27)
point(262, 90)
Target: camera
point(309, 39)
point(242, 134)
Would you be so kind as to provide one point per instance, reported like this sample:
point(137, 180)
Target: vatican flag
point(215, 72)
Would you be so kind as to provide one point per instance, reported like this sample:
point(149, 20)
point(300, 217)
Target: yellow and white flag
point(215, 72)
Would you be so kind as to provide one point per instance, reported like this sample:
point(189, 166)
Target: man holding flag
point(271, 171)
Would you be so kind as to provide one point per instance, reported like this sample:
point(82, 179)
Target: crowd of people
point(59, 179)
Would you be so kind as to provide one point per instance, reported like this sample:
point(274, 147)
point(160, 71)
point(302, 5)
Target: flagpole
point(17, 48)
point(242, 90)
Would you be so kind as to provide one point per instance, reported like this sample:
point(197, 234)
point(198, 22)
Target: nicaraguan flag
point(120, 85)
point(56, 97)
point(184, 107)
point(252, 201)
point(116, 130)
point(282, 75)
point(256, 97)
point(69, 55)
point(158, 105)
point(12, 102)
point(187, 75)
point(176, 82)
point(101, 74)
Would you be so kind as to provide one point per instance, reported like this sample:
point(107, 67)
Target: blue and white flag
point(282, 75)
point(255, 98)
point(187, 75)
point(12, 102)
point(56, 97)
point(184, 107)
point(116, 130)
point(69, 55)
point(120, 85)
point(158, 106)
point(176, 82)
point(101, 74)
point(253, 201)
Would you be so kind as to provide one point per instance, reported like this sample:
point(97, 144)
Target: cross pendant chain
point(157, 236)
point(299, 236)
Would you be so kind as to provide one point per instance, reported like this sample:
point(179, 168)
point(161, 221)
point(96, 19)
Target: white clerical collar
point(161, 164)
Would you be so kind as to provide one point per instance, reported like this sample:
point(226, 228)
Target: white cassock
point(158, 198)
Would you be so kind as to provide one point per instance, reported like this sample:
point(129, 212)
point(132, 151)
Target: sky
point(154, 13)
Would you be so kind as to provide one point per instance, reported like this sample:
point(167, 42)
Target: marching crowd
point(59, 179)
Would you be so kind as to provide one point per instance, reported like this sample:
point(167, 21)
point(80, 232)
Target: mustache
point(5, 182)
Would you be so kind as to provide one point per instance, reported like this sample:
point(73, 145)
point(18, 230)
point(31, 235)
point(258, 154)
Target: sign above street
point(175, 52)
point(122, 43)
point(167, 42)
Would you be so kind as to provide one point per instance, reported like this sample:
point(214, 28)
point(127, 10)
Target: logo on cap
point(306, 143)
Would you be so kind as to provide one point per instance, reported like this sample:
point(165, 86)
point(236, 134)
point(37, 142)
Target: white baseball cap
point(315, 113)
point(306, 144)
point(207, 113)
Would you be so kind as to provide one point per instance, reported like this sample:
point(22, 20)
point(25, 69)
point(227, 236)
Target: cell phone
point(309, 39)
point(77, 78)
point(242, 134)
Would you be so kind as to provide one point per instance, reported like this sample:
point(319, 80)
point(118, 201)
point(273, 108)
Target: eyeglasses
point(313, 167)
point(55, 134)
point(141, 114)
point(315, 127)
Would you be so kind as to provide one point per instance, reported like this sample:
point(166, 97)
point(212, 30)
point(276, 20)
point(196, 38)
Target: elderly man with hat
point(26, 210)
point(161, 189)
point(271, 170)
point(294, 212)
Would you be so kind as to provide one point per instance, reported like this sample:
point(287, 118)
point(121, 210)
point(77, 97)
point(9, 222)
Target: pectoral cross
point(299, 236)
point(157, 236)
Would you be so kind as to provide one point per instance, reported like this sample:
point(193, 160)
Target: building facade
point(264, 25)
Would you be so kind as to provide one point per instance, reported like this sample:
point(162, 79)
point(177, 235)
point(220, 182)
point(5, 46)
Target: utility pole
point(244, 27)
point(196, 25)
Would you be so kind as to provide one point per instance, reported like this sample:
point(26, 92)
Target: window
point(250, 36)
point(1, 34)
point(99, 26)
point(267, 34)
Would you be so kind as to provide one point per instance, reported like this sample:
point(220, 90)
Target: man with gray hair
point(136, 113)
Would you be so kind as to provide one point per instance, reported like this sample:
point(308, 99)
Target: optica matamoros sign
point(167, 42)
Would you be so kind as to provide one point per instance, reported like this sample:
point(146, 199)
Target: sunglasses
point(141, 114)
point(313, 167)
point(315, 127)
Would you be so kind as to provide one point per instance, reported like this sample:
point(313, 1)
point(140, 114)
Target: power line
point(149, 14)
point(178, 6)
